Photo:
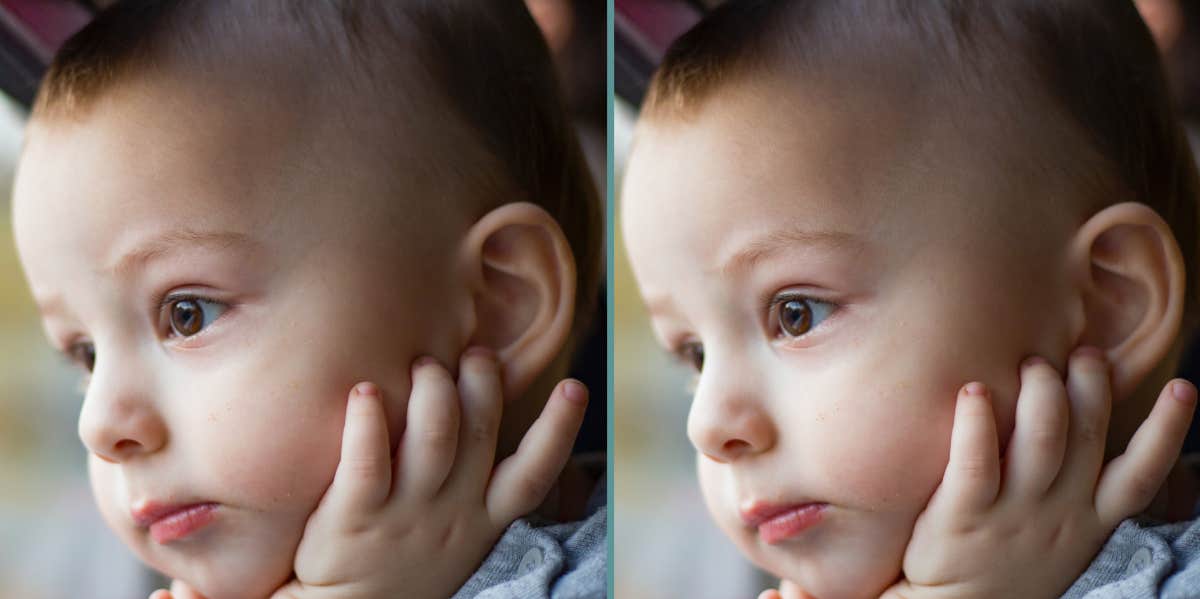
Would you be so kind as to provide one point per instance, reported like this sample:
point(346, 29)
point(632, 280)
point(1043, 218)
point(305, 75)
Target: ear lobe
point(1131, 278)
point(522, 276)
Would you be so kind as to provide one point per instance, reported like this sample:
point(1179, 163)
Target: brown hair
point(1093, 63)
point(486, 61)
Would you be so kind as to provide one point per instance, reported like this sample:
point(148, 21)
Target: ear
point(1130, 277)
point(522, 277)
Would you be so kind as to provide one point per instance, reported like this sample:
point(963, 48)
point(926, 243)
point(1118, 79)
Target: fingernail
point(1032, 361)
point(976, 388)
point(424, 361)
point(480, 351)
point(1088, 351)
point(575, 392)
point(1184, 392)
point(366, 390)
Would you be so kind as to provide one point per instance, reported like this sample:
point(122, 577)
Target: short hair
point(1093, 62)
point(486, 62)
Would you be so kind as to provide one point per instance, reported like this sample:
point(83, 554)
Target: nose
point(728, 420)
point(119, 421)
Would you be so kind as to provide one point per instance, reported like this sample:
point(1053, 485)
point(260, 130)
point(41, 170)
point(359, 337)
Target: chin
point(243, 568)
point(250, 579)
point(834, 575)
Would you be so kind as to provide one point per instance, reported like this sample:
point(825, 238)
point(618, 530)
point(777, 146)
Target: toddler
point(231, 212)
point(839, 213)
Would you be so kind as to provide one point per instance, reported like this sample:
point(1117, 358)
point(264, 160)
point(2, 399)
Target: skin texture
point(927, 292)
point(318, 294)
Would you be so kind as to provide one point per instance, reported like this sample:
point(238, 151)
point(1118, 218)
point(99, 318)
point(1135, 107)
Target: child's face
point(845, 267)
point(310, 286)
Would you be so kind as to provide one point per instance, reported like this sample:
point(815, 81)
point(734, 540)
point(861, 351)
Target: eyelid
point(678, 351)
point(775, 300)
point(164, 318)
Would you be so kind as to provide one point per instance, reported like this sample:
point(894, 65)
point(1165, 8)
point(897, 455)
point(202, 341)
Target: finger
point(767, 594)
point(363, 478)
point(482, 398)
point(161, 594)
point(1039, 440)
point(1091, 403)
point(181, 590)
point(972, 477)
point(791, 590)
point(522, 480)
point(431, 437)
point(1130, 482)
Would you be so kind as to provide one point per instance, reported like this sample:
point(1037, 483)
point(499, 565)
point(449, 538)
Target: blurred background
point(53, 544)
point(663, 537)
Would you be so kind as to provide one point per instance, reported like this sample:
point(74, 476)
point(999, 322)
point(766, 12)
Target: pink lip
point(172, 522)
point(776, 523)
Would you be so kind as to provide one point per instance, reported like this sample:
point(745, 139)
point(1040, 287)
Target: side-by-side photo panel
point(906, 299)
point(304, 299)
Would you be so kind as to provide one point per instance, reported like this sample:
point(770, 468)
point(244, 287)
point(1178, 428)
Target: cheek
point(278, 443)
point(879, 442)
point(110, 496)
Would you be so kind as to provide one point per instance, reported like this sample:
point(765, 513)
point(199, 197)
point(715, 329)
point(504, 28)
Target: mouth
point(777, 523)
point(167, 522)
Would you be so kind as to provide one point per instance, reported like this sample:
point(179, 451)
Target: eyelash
point(164, 315)
point(777, 301)
point(691, 353)
point(82, 353)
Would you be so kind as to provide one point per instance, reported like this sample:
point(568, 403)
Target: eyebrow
point(173, 241)
point(777, 241)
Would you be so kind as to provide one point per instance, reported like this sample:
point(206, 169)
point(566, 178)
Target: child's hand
point(1029, 525)
point(420, 526)
point(1030, 530)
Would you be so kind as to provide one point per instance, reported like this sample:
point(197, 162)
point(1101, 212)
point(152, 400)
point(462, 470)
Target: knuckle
point(437, 436)
point(1090, 433)
point(532, 487)
point(1045, 439)
point(1141, 489)
point(362, 468)
point(975, 468)
point(483, 428)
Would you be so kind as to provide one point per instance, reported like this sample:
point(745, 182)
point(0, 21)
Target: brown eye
point(189, 316)
point(83, 354)
point(795, 317)
point(186, 318)
point(693, 355)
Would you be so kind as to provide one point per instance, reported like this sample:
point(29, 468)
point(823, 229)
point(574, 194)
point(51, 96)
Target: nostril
point(125, 445)
point(735, 447)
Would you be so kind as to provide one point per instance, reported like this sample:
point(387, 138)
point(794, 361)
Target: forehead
point(767, 159)
point(170, 134)
point(756, 159)
point(185, 161)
